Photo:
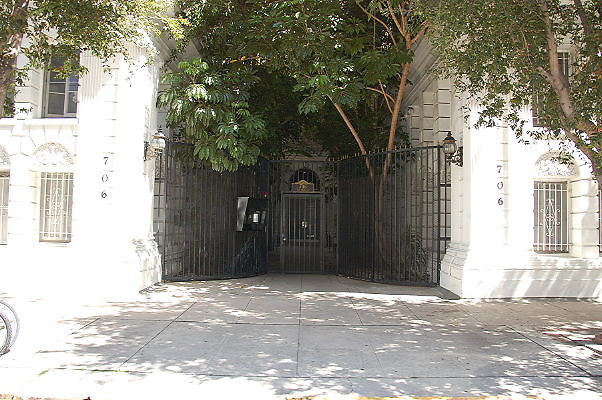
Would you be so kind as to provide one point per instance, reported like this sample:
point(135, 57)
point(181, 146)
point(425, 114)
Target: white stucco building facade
point(494, 250)
point(76, 192)
point(77, 189)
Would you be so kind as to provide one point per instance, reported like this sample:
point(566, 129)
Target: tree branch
point(592, 156)
point(382, 87)
point(394, 18)
point(423, 27)
point(18, 13)
point(374, 17)
point(545, 74)
point(356, 136)
point(556, 77)
point(561, 86)
point(397, 107)
point(381, 91)
point(349, 124)
point(14, 41)
point(587, 27)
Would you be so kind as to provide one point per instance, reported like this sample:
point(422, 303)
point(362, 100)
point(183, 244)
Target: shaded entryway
point(302, 228)
point(302, 245)
point(382, 217)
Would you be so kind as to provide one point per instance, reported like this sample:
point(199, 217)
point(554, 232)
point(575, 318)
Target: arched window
point(304, 180)
point(4, 185)
point(56, 192)
point(551, 204)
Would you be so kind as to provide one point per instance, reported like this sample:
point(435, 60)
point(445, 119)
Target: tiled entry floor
point(292, 335)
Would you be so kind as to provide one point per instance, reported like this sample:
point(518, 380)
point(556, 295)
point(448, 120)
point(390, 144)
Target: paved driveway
point(285, 335)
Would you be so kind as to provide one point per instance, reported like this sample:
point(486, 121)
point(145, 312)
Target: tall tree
point(344, 53)
point(41, 29)
point(351, 56)
point(505, 54)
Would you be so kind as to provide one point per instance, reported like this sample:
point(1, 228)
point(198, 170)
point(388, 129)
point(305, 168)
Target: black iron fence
point(195, 219)
point(393, 215)
point(382, 217)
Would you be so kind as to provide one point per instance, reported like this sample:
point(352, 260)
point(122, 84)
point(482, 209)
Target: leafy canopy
point(347, 60)
point(211, 105)
point(505, 55)
point(41, 29)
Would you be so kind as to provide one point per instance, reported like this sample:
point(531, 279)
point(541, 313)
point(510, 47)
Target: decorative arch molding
point(4, 158)
point(304, 180)
point(52, 155)
point(549, 165)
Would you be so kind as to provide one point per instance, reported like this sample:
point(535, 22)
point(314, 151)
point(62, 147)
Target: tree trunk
point(17, 22)
point(6, 80)
point(594, 158)
point(380, 197)
point(561, 86)
point(355, 134)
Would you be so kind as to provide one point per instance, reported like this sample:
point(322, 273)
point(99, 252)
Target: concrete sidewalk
point(280, 336)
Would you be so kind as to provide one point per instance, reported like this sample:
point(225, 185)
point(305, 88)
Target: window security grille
point(4, 177)
point(551, 232)
point(537, 103)
point(61, 92)
point(56, 196)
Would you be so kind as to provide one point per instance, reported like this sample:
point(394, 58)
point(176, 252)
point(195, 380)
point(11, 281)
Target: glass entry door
point(302, 233)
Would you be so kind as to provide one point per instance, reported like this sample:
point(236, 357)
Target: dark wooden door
point(302, 233)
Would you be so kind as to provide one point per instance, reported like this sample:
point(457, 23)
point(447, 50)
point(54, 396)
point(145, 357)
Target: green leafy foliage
point(41, 29)
point(329, 53)
point(503, 53)
point(211, 106)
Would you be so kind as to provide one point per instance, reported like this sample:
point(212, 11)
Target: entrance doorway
point(302, 245)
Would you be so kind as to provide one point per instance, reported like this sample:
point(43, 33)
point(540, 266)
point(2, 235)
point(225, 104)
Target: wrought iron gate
point(302, 192)
point(382, 217)
point(302, 233)
point(195, 219)
point(394, 215)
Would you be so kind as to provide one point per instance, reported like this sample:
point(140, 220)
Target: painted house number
point(105, 176)
point(500, 185)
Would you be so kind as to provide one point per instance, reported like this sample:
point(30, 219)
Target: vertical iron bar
point(204, 226)
point(438, 243)
point(339, 211)
point(281, 235)
point(371, 221)
point(43, 206)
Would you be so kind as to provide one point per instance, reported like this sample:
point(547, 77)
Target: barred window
point(4, 177)
point(56, 196)
point(551, 233)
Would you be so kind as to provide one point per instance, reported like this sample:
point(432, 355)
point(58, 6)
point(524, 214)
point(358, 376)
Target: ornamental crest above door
point(303, 186)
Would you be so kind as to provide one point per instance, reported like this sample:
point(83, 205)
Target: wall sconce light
point(156, 145)
point(453, 153)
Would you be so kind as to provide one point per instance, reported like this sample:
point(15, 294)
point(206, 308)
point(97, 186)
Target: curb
point(514, 397)
point(12, 397)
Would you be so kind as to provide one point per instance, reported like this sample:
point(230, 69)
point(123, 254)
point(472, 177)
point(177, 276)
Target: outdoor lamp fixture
point(453, 153)
point(156, 145)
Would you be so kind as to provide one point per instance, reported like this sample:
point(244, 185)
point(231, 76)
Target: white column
point(584, 215)
point(22, 205)
point(472, 265)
